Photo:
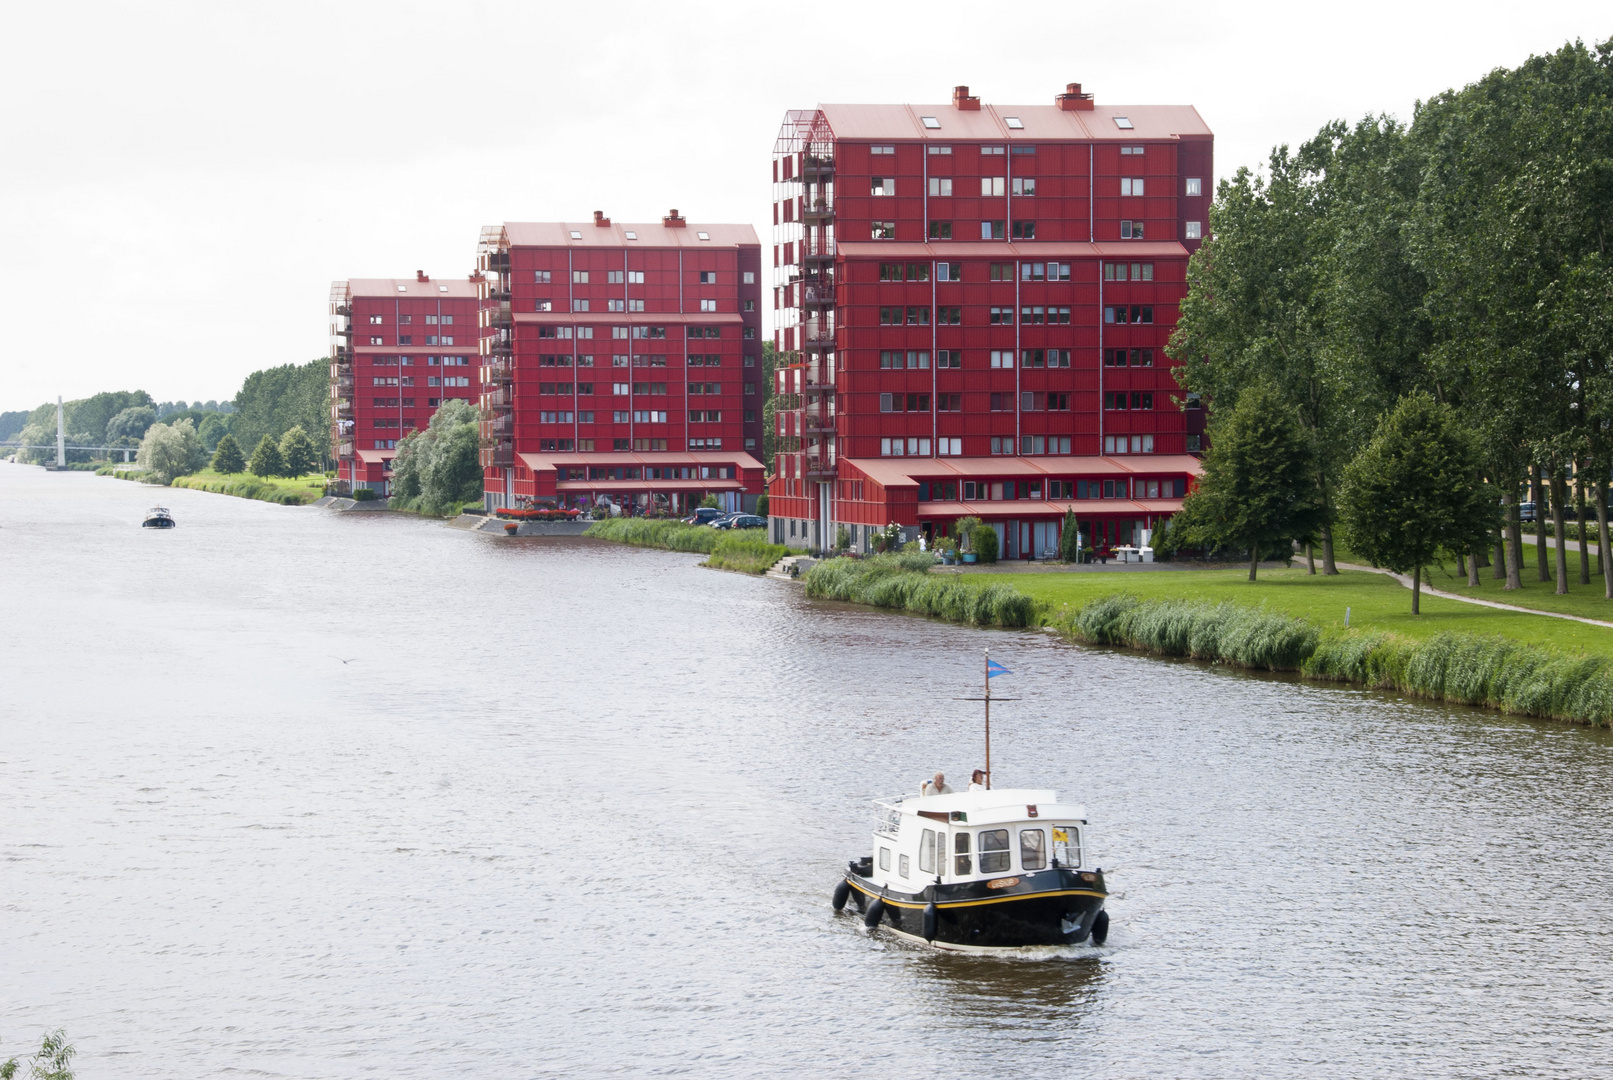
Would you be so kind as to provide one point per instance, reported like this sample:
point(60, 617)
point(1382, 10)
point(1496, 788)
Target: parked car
point(740, 521)
point(705, 515)
point(1526, 511)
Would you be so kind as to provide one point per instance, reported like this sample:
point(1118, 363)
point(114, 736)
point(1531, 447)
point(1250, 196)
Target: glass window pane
point(1032, 849)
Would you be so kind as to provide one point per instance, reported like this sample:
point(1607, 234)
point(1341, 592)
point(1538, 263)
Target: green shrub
point(659, 533)
point(745, 550)
point(983, 541)
point(1225, 633)
point(363, 494)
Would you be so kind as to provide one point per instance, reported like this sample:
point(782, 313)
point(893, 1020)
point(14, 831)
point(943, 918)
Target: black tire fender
point(1100, 928)
point(932, 916)
point(842, 894)
point(875, 912)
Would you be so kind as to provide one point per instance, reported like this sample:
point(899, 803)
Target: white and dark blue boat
point(982, 870)
point(158, 517)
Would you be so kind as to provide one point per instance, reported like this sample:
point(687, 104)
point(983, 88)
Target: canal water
point(291, 793)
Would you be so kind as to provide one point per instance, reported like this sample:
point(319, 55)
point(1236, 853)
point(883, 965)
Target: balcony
point(502, 426)
point(343, 309)
point(818, 167)
point(499, 454)
point(818, 213)
point(501, 397)
point(817, 297)
point(817, 251)
point(339, 383)
point(817, 424)
point(819, 467)
point(500, 371)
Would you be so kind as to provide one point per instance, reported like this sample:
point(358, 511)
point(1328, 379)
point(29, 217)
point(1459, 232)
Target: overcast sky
point(180, 182)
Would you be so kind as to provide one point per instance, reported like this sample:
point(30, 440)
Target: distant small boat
point(158, 517)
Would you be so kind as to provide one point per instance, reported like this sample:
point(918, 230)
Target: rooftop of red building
point(1037, 122)
point(589, 234)
point(900, 472)
point(415, 288)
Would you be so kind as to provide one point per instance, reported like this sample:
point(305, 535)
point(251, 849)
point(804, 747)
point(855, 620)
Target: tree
point(228, 458)
point(1070, 538)
point(212, 427)
point(276, 399)
point(1258, 489)
point(128, 427)
point(53, 1061)
point(171, 450)
point(266, 460)
point(297, 451)
point(1415, 490)
point(441, 466)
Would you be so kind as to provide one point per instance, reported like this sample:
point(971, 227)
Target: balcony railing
point(818, 211)
point(500, 371)
point(819, 466)
point(813, 165)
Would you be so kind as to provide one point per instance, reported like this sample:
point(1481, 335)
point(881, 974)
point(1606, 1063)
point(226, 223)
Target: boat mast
point(988, 719)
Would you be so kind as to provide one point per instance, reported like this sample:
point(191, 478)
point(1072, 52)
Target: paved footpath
point(1405, 579)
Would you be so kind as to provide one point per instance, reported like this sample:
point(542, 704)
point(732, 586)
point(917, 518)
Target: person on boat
point(977, 782)
point(938, 786)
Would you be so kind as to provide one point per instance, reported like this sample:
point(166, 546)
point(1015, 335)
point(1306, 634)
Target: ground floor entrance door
point(1045, 540)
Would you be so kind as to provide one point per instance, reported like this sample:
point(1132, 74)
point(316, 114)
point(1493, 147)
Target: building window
point(1002, 316)
point(1195, 230)
point(949, 271)
point(938, 150)
point(991, 150)
point(579, 305)
point(932, 123)
point(1002, 271)
point(1024, 185)
point(750, 305)
point(949, 316)
point(613, 277)
point(1195, 186)
point(883, 230)
point(1131, 230)
point(616, 305)
point(882, 149)
point(544, 305)
point(1024, 230)
point(940, 230)
point(881, 185)
point(708, 305)
point(579, 277)
point(1002, 358)
point(1131, 185)
point(749, 277)
point(542, 277)
point(993, 230)
point(941, 185)
point(949, 358)
point(992, 186)
point(918, 316)
point(1194, 444)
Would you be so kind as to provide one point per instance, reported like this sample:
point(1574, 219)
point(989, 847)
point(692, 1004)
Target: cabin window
point(960, 854)
point(1032, 849)
point(902, 865)
point(884, 858)
point(927, 852)
point(1067, 845)
point(994, 853)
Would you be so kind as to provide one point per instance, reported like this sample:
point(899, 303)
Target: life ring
point(875, 912)
point(1100, 928)
point(932, 915)
point(842, 894)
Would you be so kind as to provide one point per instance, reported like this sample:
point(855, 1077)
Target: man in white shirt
point(938, 786)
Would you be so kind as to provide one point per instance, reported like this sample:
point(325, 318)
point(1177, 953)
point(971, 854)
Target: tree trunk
point(1461, 564)
point(1514, 545)
point(1559, 495)
point(1602, 541)
point(1310, 556)
point(1328, 566)
point(1254, 560)
point(1416, 590)
point(1541, 513)
point(1498, 568)
point(1473, 568)
point(1584, 541)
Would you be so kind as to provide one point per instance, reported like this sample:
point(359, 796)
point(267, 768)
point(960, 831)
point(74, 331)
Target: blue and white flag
point(994, 669)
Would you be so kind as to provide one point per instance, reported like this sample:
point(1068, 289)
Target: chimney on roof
point(420, 275)
point(1072, 100)
point(673, 221)
point(600, 219)
point(962, 101)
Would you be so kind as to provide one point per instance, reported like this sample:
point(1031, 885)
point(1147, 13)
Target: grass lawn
point(1377, 602)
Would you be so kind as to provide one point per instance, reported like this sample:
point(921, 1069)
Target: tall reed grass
point(250, 489)
point(1462, 669)
point(745, 550)
point(903, 582)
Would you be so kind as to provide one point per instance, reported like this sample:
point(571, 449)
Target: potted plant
point(964, 527)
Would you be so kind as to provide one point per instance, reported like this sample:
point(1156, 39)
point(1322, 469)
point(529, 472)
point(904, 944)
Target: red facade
point(977, 299)
point(400, 348)
point(624, 363)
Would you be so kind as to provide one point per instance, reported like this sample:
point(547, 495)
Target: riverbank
point(744, 550)
point(1516, 662)
point(287, 491)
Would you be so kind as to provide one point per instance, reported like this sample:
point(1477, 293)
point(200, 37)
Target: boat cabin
point(921, 840)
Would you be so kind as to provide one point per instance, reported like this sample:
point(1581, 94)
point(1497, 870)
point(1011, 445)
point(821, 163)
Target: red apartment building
point(623, 363)
point(400, 347)
point(977, 301)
